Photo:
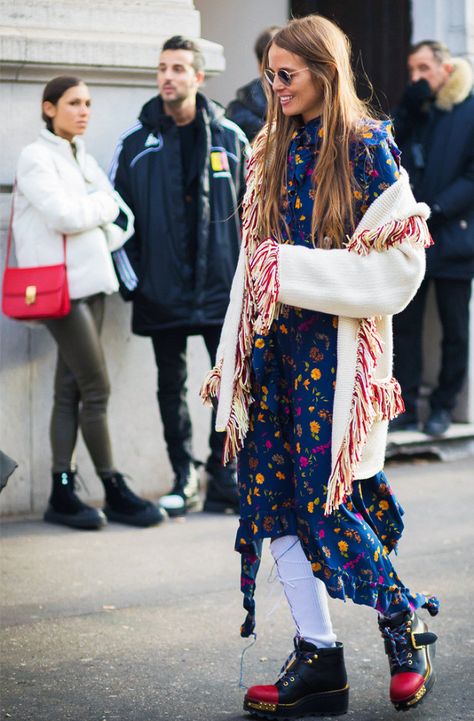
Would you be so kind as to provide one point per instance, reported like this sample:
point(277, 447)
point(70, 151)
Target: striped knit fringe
point(387, 400)
point(238, 423)
point(413, 229)
point(371, 401)
point(212, 383)
point(264, 269)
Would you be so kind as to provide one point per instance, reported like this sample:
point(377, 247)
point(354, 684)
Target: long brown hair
point(326, 51)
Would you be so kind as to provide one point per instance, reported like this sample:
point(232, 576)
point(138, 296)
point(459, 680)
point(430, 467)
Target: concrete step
point(458, 442)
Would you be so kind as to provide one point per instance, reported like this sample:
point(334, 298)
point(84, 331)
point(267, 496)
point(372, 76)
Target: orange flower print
point(314, 426)
point(383, 505)
point(259, 343)
point(315, 374)
point(310, 507)
point(316, 566)
point(343, 546)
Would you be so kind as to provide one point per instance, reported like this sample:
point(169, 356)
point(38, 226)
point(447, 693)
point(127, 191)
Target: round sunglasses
point(285, 76)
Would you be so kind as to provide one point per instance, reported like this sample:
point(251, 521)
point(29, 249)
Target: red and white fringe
point(371, 401)
point(211, 384)
point(414, 230)
point(266, 284)
point(238, 423)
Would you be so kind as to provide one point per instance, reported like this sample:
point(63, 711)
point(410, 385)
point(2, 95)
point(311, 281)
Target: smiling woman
point(333, 246)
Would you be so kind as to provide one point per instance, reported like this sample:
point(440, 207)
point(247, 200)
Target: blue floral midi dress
point(285, 464)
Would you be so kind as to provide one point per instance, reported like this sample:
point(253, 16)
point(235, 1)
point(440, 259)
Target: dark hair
point(178, 42)
point(263, 39)
point(54, 90)
point(439, 50)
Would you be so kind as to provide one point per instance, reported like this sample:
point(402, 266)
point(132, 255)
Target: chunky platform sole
point(330, 703)
point(143, 519)
point(89, 520)
point(423, 691)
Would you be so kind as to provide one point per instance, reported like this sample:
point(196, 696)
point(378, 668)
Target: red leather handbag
point(35, 293)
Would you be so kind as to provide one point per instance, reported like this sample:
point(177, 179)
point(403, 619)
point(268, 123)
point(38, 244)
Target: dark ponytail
point(54, 90)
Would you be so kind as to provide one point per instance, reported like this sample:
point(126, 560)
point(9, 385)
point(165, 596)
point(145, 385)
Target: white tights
point(305, 593)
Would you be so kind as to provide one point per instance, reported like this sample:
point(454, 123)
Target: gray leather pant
point(81, 386)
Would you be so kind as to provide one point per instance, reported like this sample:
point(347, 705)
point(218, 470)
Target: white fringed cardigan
point(373, 277)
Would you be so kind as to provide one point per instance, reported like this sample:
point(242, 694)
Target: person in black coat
point(434, 127)
point(181, 169)
point(249, 108)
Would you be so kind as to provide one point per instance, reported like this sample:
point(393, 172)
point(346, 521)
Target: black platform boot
point(410, 648)
point(185, 492)
point(313, 682)
point(66, 508)
point(124, 506)
point(222, 494)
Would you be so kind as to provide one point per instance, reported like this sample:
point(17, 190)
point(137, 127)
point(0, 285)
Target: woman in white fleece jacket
point(62, 192)
point(333, 246)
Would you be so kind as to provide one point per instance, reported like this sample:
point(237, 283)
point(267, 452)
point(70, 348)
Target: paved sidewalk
point(143, 624)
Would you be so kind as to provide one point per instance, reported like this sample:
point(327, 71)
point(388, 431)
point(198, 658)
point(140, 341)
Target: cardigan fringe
point(370, 400)
point(211, 384)
point(413, 229)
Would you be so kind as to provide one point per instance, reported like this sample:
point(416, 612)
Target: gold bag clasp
point(30, 294)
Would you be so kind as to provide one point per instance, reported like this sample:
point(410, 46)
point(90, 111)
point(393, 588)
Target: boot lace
point(399, 645)
point(296, 654)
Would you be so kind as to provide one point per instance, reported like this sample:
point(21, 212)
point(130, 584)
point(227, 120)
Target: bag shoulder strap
point(10, 230)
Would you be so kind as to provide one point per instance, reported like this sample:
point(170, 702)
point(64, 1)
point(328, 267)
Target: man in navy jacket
point(434, 127)
point(181, 170)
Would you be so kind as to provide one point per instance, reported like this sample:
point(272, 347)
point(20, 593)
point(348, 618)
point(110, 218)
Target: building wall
point(236, 29)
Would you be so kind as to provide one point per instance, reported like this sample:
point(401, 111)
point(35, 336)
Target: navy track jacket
point(169, 286)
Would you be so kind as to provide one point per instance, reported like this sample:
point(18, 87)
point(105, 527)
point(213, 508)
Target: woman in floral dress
point(333, 246)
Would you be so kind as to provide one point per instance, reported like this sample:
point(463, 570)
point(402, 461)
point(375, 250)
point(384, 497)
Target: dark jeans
point(170, 354)
point(452, 299)
point(81, 386)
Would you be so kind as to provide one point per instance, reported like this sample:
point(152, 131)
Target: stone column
point(114, 47)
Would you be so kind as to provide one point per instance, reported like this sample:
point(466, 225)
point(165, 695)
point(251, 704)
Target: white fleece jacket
point(58, 194)
point(352, 286)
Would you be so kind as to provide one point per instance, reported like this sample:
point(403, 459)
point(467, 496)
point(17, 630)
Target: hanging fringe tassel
point(413, 230)
point(387, 400)
point(361, 417)
point(238, 423)
point(371, 401)
point(211, 385)
point(266, 284)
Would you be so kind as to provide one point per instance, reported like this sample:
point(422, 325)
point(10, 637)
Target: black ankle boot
point(313, 682)
point(410, 648)
point(67, 509)
point(124, 506)
point(222, 494)
point(185, 492)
